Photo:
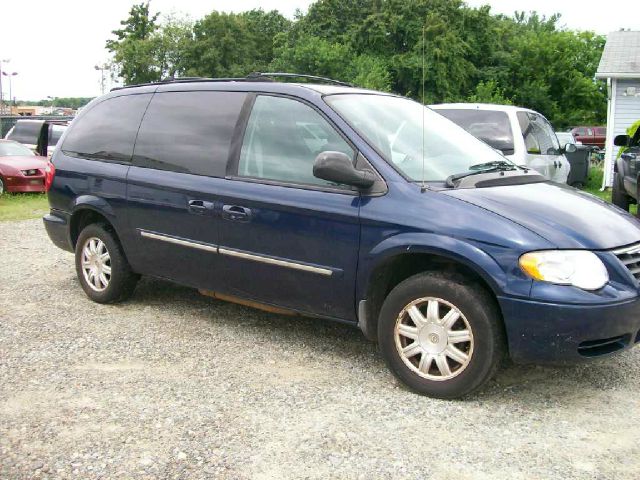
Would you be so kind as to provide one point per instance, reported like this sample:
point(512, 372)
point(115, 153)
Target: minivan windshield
point(394, 127)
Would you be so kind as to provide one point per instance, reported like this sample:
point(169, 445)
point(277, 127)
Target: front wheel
point(619, 196)
point(441, 335)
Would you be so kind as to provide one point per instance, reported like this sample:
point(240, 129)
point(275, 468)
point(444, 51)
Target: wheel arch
point(88, 210)
point(394, 265)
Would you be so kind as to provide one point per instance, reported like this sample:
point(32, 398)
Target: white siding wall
point(627, 108)
point(623, 111)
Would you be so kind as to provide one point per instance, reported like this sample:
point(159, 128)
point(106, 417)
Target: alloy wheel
point(433, 338)
point(96, 264)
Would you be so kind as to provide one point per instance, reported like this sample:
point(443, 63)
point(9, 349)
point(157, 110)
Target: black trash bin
point(579, 161)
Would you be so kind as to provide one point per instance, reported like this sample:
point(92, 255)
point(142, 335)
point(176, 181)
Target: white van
point(523, 136)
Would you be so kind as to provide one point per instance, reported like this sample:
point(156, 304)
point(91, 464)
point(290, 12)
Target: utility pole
point(102, 68)
point(6, 60)
point(11, 100)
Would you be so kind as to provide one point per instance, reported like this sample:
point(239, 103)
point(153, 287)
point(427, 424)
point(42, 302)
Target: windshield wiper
point(487, 167)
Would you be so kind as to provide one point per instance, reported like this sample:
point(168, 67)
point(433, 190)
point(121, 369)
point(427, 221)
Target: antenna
point(424, 183)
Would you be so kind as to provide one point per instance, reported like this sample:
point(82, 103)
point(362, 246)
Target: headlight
point(580, 268)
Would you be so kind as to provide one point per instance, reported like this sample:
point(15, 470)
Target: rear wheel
point(440, 335)
point(102, 268)
point(619, 196)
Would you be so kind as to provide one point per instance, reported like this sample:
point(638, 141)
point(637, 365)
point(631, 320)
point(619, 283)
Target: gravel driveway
point(172, 384)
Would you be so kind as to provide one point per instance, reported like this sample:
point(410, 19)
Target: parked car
point(28, 132)
point(566, 137)
point(523, 136)
point(595, 136)
point(389, 217)
point(626, 171)
point(21, 170)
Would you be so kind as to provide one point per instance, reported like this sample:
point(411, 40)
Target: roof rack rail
point(268, 75)
point(252, 77)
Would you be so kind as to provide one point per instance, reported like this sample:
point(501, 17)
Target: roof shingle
point(621, 56)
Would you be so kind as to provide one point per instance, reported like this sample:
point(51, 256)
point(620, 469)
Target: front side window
point(538, 134)
point(490, 126)
point(188, 132)
point(108, 130)
point(416, 140)
point(282, 140)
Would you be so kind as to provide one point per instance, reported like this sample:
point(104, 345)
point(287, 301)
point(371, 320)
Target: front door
point(286, 237)
point(543, 149)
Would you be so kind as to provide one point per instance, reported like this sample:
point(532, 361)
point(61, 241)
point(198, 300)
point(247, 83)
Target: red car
point(595, 136)
point(21, 170)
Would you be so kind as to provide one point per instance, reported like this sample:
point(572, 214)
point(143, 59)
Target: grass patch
point(23, 206)
point(595, 183)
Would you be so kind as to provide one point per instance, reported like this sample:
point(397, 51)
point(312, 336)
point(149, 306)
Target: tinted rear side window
point(490, 126)
point(55, 132)
point(26, 132)
point(108, 130)
point(189, 132)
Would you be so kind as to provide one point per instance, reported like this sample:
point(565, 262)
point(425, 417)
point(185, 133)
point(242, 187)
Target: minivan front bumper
point(552, 333)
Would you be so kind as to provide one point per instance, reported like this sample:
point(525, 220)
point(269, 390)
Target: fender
point(459, 250)
point(92, 202)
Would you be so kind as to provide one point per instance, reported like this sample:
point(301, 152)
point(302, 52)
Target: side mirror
point(570, 148)
point(337, 167)
point(622, 141)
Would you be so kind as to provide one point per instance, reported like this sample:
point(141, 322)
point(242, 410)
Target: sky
point(55, 45)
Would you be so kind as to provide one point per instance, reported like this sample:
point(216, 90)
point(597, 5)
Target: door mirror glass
point(570, 148)
point(621, 141)
point(336, 167)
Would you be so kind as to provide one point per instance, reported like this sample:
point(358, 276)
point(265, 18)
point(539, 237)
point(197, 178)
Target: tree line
point(469, 54)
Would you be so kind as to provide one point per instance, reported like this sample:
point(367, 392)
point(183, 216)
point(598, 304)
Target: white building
point(620, 67)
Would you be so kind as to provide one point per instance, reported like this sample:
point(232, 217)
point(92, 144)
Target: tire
point(118, 281)
point(619, 196)
point(423, 372)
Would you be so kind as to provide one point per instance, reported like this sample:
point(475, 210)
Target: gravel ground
point(172, 384)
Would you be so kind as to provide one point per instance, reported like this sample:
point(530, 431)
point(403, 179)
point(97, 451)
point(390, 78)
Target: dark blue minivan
point(351, 205)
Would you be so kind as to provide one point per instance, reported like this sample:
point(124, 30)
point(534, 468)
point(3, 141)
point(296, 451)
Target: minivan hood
point(564, 216)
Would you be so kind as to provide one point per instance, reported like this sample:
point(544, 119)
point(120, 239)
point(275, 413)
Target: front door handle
point(236, 213)
point(200, 207)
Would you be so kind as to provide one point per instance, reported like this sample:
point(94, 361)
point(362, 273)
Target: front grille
point(630, 258)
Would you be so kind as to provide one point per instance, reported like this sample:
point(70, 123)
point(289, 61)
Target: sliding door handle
point(200, 207)
point(236, 213)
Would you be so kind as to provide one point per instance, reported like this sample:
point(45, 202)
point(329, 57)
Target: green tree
point(134, 47)
point(469, 54)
